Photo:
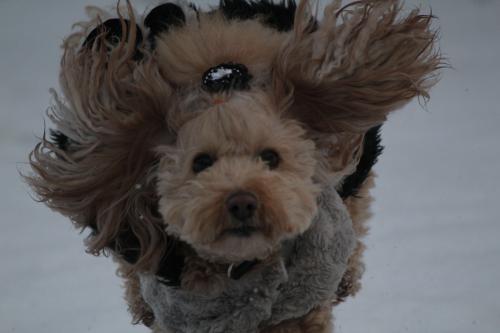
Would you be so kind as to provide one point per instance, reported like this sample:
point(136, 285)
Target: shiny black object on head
point(226, 77)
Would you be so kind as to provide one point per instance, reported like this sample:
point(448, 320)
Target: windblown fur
point(132, 113)
point(362, 62)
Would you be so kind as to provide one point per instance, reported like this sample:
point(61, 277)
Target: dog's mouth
point(243, 231)
point(237, 242)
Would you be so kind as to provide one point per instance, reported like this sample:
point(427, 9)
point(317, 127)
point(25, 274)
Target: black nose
point(242, 205)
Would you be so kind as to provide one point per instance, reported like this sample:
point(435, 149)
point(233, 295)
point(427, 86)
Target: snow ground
point(433, 257)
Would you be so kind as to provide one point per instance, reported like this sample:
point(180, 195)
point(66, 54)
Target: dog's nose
point(242, 205)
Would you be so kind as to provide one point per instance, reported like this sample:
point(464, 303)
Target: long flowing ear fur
point(111, 114)
point(360, 63)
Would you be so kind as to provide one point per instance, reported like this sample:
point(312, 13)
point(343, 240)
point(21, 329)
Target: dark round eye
point(271, 158)
point(201, 162)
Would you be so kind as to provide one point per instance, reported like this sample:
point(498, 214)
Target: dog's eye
point(271, 158)
point(201, 162)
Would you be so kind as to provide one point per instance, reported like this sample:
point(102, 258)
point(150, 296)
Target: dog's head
point(221, 127)
point(238, 180)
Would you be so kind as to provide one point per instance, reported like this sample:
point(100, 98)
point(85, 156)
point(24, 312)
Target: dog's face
point(238, 181)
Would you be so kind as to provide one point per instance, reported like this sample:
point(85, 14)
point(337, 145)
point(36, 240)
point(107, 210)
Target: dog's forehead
point(242, 120)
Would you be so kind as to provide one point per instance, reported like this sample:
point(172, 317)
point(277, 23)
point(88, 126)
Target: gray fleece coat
point(288, 287)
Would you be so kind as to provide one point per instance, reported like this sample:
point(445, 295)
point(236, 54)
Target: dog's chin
point(237, 245)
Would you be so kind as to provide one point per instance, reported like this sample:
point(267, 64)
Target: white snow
point(433, 257)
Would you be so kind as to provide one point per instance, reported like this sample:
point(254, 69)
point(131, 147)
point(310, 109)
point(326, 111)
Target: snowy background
point(433, 257)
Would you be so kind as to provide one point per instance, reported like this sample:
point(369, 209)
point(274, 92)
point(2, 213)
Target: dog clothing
point(288, 287)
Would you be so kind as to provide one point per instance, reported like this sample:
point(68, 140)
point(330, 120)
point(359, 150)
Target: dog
point(224, 153)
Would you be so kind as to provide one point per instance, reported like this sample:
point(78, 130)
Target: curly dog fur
point(132, 116)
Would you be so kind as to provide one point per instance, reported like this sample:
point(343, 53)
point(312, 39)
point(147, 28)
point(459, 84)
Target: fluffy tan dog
point(195, 144)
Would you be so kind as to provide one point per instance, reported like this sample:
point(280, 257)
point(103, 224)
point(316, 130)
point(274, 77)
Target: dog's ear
point(343, 76)
point(98, 167)
point(357, 65)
